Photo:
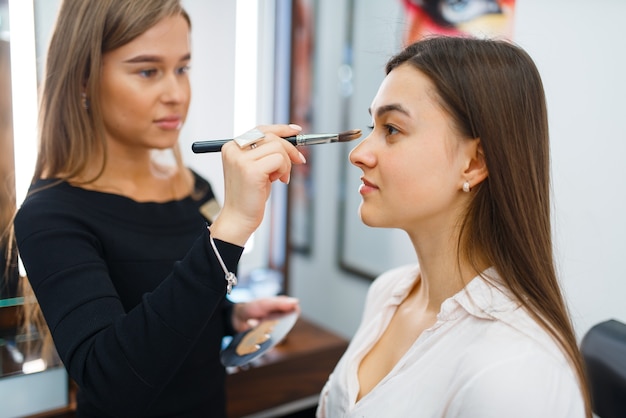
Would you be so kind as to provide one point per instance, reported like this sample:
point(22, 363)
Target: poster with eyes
point(481, 18)
point(378, 29)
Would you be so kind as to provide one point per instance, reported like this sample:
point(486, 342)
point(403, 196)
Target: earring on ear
point(466, 187)
point(85, 101)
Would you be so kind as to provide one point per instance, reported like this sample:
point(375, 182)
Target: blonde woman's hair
point(70, 135)
point(71, 129)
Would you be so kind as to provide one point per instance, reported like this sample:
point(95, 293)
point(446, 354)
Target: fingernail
point(294, 126)
point(302, 158)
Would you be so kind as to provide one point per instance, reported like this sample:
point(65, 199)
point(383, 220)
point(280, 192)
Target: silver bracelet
point(230, 277)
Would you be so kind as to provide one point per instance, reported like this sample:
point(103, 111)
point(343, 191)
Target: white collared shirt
point(485, 357)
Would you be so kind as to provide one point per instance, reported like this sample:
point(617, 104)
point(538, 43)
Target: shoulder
point(522, 383)
point(514, 368)
point(44, 196)
point(48, 204)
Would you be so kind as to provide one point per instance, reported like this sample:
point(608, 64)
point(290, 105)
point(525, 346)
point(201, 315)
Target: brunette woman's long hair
point(493, 91)
point(71, 129)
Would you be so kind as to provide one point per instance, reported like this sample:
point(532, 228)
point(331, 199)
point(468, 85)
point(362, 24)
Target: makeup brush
point(302, 139)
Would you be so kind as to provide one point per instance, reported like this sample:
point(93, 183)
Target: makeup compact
point(251, 344)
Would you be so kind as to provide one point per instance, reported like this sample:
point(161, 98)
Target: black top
point(133, 295)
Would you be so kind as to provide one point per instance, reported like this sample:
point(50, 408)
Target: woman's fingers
point(248, 176)
point(249, 314)
point(273, 154)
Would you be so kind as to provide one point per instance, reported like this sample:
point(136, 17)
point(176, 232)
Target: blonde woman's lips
point(170, 123)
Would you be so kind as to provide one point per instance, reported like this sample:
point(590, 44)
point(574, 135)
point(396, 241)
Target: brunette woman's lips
point(170, 123)
point(366, 187)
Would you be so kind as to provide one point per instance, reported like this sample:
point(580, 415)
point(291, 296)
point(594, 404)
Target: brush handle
point(208, 146)
point(302, 139)
point(215, 145)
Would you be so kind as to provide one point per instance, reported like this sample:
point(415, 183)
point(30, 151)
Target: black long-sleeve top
point(133, 295)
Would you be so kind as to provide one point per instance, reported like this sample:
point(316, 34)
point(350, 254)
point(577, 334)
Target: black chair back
point(604, 351)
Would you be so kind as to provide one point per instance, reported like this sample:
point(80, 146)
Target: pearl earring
point(466, 187)
point(85, 101)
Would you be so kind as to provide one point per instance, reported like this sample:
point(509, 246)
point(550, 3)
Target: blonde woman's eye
point(147, 73)
point(184, 70)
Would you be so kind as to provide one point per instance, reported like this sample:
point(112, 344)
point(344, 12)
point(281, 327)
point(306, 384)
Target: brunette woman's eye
point(391, 130)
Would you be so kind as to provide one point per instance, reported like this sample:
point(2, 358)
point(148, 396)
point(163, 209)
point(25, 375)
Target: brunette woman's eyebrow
point(380, 111)
point(152, 58)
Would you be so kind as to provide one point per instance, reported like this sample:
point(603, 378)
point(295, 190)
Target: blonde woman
point(116, 246)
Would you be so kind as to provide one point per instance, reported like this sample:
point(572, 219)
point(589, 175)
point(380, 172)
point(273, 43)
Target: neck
point(138, 176)
point(444, 271)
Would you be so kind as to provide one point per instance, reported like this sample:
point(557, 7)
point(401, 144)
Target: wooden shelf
point(295, 370)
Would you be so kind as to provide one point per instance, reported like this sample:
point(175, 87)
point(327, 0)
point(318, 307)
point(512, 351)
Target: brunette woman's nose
point(360, 154)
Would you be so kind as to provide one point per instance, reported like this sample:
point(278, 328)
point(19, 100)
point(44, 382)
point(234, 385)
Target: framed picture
point(301, 190)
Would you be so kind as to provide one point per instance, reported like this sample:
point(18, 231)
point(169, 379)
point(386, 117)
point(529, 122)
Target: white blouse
point(484, 357)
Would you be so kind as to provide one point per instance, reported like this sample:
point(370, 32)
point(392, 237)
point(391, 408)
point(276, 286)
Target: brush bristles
point(349, 135)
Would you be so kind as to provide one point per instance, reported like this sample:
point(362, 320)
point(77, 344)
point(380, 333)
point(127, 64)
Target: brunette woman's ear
point(476, 169)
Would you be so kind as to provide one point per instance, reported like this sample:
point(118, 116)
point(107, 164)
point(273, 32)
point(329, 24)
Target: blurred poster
point(480, 18)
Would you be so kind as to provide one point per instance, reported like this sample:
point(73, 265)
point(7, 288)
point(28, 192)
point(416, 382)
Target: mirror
point(8, 285)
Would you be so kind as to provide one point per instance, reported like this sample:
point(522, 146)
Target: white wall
point(578, 47)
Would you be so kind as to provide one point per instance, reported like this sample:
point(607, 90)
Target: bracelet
point(230, 277)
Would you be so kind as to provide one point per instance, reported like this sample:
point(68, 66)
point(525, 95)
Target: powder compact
point(249, 345)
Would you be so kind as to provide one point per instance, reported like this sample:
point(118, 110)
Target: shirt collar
point(403, 286)
point(485, 296)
